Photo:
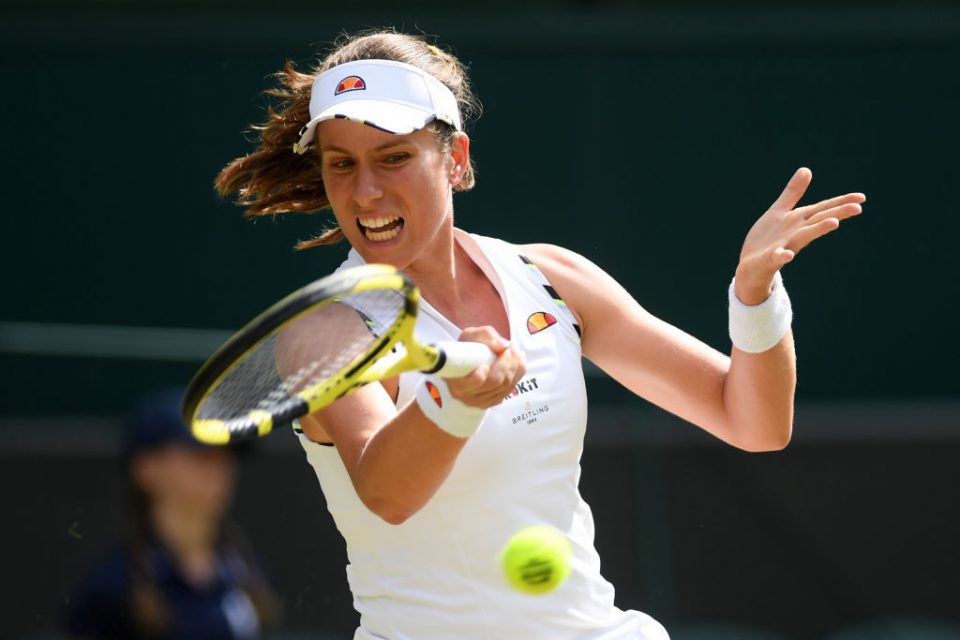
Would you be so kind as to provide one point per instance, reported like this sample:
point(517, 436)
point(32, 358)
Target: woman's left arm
point(745, 399)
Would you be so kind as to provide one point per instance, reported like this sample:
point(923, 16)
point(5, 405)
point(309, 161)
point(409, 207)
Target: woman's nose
point(367, 187)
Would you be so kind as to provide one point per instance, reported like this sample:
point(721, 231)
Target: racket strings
point(308, 351)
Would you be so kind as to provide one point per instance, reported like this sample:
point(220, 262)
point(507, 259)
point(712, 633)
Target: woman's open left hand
point(783, 231)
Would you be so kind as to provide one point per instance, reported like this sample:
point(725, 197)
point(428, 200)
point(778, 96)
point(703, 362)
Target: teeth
point(376, 223)
point(380, 236)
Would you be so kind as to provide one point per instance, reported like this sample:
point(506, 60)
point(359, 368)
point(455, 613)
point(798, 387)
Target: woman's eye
point(340, 163)
point(395, 158)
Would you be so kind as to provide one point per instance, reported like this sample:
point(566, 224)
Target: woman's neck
point(458, 288)
point(446, 278)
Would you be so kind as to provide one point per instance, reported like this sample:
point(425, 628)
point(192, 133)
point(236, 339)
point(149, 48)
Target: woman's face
point(391, 194)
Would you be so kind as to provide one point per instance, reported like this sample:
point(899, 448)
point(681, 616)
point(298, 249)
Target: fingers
point(826, 220)
point(487, 336)
point(808, 234)
point(488, 385)
point(811, 210)
point(794, 190)
point(781, 256)
point(813, 228)
point(842, 212)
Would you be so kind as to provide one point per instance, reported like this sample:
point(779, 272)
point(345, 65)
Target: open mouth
point(380, 229)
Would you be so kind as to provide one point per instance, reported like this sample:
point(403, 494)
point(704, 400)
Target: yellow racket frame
point(369, 366)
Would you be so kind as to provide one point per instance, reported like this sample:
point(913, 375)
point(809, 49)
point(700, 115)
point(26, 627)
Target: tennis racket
point(317, 345)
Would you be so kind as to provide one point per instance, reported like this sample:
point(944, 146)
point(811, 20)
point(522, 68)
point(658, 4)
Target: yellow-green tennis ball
point(537, 559)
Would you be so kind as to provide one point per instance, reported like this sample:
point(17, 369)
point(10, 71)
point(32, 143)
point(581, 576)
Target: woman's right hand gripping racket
point(317, 345)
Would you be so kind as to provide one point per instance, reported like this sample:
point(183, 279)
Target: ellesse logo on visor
point(350, 83)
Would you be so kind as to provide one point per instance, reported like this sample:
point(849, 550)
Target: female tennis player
point(428, 478)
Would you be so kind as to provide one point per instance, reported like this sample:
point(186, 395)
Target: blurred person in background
point(183, 571)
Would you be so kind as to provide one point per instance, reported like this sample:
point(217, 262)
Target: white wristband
point(757, 328)
point(445, 411)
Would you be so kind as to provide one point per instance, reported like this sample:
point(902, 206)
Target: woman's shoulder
point(551, 255)
point(567, 270)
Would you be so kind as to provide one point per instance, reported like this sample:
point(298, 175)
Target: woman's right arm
point(398, 460)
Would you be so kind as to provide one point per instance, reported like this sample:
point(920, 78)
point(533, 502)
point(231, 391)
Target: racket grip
point(460, 358)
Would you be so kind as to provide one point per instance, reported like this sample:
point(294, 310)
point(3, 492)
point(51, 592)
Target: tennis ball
point(537, 559)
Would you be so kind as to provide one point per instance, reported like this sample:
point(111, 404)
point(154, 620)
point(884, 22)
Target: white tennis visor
point(392, 96)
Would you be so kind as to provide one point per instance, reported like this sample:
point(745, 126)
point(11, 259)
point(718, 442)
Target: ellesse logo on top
point(539, 321)
point(350, 83)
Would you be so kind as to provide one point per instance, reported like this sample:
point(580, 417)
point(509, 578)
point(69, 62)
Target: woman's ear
point(459, 157)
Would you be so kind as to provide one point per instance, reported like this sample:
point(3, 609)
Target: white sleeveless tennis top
point(438, 575)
